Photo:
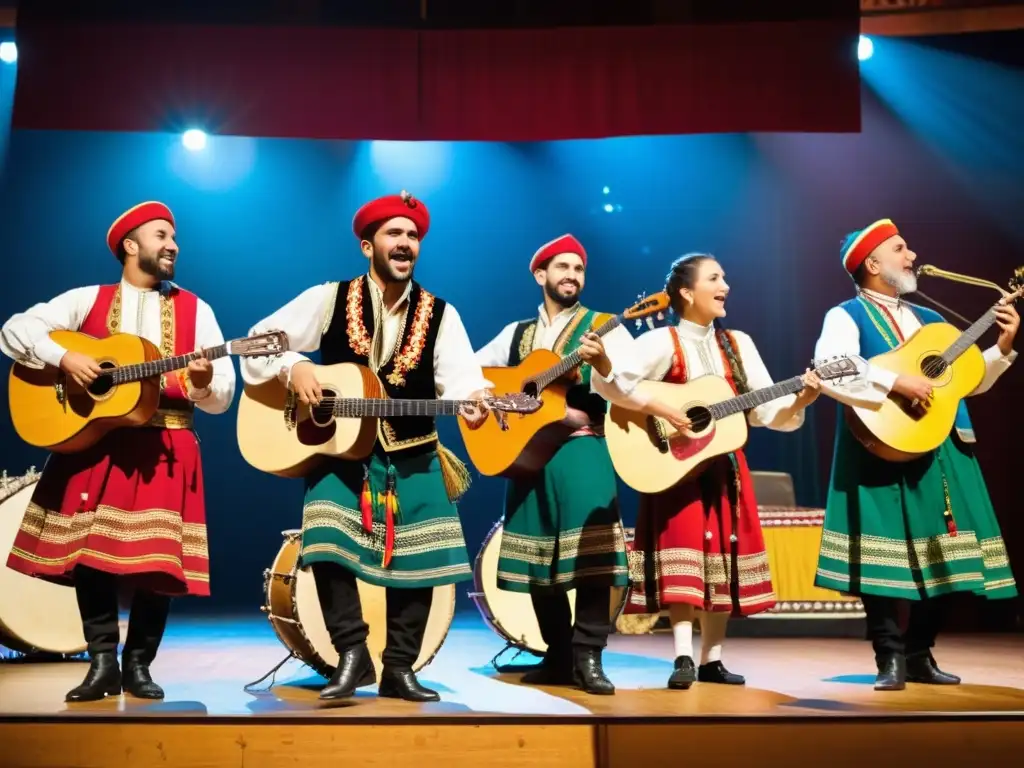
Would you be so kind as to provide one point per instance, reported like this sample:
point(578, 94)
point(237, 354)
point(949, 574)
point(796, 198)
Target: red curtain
point(488, 85)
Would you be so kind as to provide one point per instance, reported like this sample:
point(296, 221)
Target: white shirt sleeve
point(495, 353)
point(646, 358)
point(457, 373)
point(302, 321)
point(25, 337)
point(840, 337)
point(775, 413)
point(218, 396)
point(995, 366)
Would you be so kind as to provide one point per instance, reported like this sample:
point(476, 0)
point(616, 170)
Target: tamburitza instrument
point(35, 615)
point(510, 614)
point(292, 605)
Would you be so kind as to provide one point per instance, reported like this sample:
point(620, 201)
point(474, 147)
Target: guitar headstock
point(835, 368)
point(514, 402)
point(1016, 285)
point(269, 344)
point(647, 308)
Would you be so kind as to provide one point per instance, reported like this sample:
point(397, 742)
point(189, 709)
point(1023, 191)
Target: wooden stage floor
point(794, 684)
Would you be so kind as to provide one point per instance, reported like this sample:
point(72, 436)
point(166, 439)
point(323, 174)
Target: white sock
point(712, 653)
point(682, 635)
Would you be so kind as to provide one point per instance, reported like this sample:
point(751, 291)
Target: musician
point(911, 531)
point(390, 520)
point(699, 547)
point(561, 526)
point(129, 511)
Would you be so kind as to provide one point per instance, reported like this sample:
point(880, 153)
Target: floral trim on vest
point(166, 330)
point(408, 358)
point(526, 342)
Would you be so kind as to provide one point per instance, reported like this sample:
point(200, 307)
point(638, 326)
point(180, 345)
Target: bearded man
point(416, 343)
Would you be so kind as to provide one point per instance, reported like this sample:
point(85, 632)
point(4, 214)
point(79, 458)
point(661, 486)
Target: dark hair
point(122, 254)
point(683, 274)
point(369, 231)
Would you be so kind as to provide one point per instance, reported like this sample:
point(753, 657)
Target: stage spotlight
point(8, 52)
point(607, 190)
point(193, 139)
point(608, 208)
point(865, 48)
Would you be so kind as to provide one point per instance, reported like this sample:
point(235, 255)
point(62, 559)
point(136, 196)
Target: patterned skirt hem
point(992, 588)
point(386, 577)
point(747, 605)
point(514, 582)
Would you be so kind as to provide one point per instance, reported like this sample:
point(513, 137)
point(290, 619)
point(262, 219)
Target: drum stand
point(511, 667)
point(251, 687)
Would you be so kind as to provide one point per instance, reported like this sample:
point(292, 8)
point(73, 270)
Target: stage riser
point(253, 744)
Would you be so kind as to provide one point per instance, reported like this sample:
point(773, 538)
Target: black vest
point(409, 370)
point(578, 396)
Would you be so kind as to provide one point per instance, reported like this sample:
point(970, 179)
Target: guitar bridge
point(61, 392)
point(290, 406)
point(656, 431)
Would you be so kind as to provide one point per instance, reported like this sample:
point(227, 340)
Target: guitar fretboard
point(758, 397)
point(570, 361)
point(357, 408)
point(969, 337)
point(139, 371)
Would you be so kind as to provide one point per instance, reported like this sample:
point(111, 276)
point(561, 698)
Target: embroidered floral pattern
point(409, 357)
point(358, 337)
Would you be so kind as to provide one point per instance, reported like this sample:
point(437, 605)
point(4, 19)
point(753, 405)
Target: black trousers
point(593, 619)
point(97, 603)
point(407, 613)
point(883, 624)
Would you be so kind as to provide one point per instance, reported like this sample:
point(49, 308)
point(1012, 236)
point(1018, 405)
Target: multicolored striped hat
point(857, 246)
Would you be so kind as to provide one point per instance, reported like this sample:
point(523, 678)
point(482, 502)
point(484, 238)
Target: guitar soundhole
point(933, 366)
point(530, 389)
point(323, 414)
point(700, 418)
point(104, 383)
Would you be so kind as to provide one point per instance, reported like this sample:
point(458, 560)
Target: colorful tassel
point(455, 474)
point(390, 515)
point(366, 502)
point(947, 513)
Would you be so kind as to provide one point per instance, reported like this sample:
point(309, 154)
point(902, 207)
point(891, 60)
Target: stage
point(803, 696)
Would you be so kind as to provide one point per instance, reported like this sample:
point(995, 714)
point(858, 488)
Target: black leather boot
point(354, 670)
point(402, 684)
point(135, 677)
point(892, 672)
point(921, 668)
point(715, 672)
point(684, 675)
point(588, 672)
point(103, 679)
point(555, 669)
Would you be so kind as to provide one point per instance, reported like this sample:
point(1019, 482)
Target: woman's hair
point(683, 274)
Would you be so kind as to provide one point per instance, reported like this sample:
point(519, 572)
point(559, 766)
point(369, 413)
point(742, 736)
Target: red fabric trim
point(868, 242)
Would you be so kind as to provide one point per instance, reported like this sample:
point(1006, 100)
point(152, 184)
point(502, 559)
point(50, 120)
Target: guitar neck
point(358, 408)
point(758, 397)
point(126, 373)
point(571, 361)
point(969, 337)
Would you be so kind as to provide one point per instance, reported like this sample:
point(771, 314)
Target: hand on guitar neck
point(306, 387)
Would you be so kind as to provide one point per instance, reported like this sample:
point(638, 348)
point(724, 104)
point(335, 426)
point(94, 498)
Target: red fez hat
point(858, 245)
point(560, 245)
point(136, 217)
point(392, 207)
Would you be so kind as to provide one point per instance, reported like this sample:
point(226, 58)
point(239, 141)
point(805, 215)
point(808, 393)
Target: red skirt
point(700, 543)
point(131, 505)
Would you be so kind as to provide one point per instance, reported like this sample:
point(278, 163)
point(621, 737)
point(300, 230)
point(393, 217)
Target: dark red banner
point(403, 84)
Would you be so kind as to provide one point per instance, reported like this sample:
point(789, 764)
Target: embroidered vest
point(679, 373)
point(879, 334)
point(408, 371)
point(177, 329)
point(579, 395)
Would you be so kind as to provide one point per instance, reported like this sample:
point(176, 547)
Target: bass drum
point(35, 615)
point(510, 614)
point(292, 605)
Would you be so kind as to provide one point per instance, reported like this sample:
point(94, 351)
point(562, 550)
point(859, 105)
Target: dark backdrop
point(940, 152)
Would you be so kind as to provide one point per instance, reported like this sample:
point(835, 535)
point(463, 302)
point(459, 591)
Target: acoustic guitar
point(901, 430)
point(49, 410)
point(522, 445)
point(280, 436)
point(650, 456)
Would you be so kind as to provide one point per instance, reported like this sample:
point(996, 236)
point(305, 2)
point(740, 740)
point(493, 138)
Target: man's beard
point(384, 270)
point(150, 264)
point(903, 282)
point(563, 301)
